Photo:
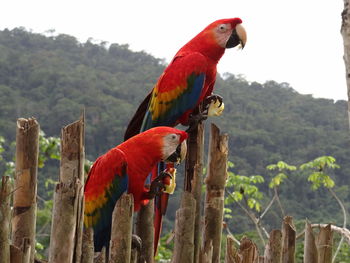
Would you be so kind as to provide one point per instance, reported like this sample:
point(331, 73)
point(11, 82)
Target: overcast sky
point(294, 41)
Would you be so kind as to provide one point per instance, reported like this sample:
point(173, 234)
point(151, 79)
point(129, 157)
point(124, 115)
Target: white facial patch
point(171, 141)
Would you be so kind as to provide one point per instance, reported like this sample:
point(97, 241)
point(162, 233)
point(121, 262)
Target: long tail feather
point(134, 125)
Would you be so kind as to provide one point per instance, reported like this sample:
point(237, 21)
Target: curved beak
point(179, 155)
point(238, 37)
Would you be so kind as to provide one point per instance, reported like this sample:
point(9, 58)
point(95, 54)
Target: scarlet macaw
point(125, 168)
point(187, 81)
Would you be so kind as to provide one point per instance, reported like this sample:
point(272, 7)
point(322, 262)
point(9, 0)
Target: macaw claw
point(157, 186)
point(213, 98)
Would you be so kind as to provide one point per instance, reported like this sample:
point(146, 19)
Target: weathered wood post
point(310, 249)
point(273, 249)
point(231, 255)
point(194, 179)
point(5, 215)
point(145, 230)
point(215, 182)
point(25, 185)
point(184, 230)
point(325, 244)
point(248, 251)
point(67, 218)
point(120, 244)
point(288, 239)
point(87, 254)
point(345, 31)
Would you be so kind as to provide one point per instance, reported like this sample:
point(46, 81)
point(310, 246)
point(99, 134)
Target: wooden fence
point(197, 236)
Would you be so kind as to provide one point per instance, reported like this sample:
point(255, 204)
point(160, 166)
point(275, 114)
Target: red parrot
point(187, 81)
point(125, 168)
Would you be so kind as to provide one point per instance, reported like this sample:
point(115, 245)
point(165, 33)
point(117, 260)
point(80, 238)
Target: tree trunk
point(68, 200)
point(288, 237)
point(310, 249)
point(145, 230)
point(345, 31)
point(215, 184)
point(325, 244)
point(248, 251)
point(194, 179)
point(273, 249)
point(5, 215)
point(120, 245)
point(184, 230)
point(25, 185)
point(87, 255)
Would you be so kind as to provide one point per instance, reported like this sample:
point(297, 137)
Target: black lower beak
point(234, 40)
point(175, 157)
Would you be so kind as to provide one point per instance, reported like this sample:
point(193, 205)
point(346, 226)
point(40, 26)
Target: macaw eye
point(173, 136)
point(223, 28)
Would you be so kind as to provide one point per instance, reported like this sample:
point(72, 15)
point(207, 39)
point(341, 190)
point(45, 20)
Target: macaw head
point(216, 37)
point(228, 33)
point(174, 146)
point(168, 141)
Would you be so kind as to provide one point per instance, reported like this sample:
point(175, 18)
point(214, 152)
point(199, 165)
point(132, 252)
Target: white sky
point(294, 41)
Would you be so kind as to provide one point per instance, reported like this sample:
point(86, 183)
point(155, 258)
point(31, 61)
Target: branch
point(252, 217)
point(344, 221)
point(268, 207)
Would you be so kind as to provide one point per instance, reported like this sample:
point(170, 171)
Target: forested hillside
point(54, 77)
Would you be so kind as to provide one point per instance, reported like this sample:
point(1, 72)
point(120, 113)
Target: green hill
point(54, 78)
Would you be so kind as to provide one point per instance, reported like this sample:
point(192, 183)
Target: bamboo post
point(215, 184)
point(288, 239)
point(120, 244)
point(248, 251)
point(25, 184)
point(273, 249)
point(145, 230)
point(231, 255)
point(5, 215)
point(67, 211)
point(194, 179)
point(325, 244)
point(87, 255)
point(184, 230)
point(310, 249)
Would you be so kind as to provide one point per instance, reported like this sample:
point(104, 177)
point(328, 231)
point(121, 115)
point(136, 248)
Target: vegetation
point(54, 77)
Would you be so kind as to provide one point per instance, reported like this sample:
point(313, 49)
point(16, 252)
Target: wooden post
point(345, 31)
point(325, 244)
point(101, 257)
point(310, 249)
point(273, 249)
point(68, 199)
point(5, 215)
point(231, 255)
point(194, 179)
point(215, 184)
point(248, 251)
point(145, 230)
point(87, 255)
point(25, 185)
point(120, 244)
point(288, 239)
point(184, 230)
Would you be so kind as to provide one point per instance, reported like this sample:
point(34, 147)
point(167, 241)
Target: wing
point(177, 91)
point(107, 181)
